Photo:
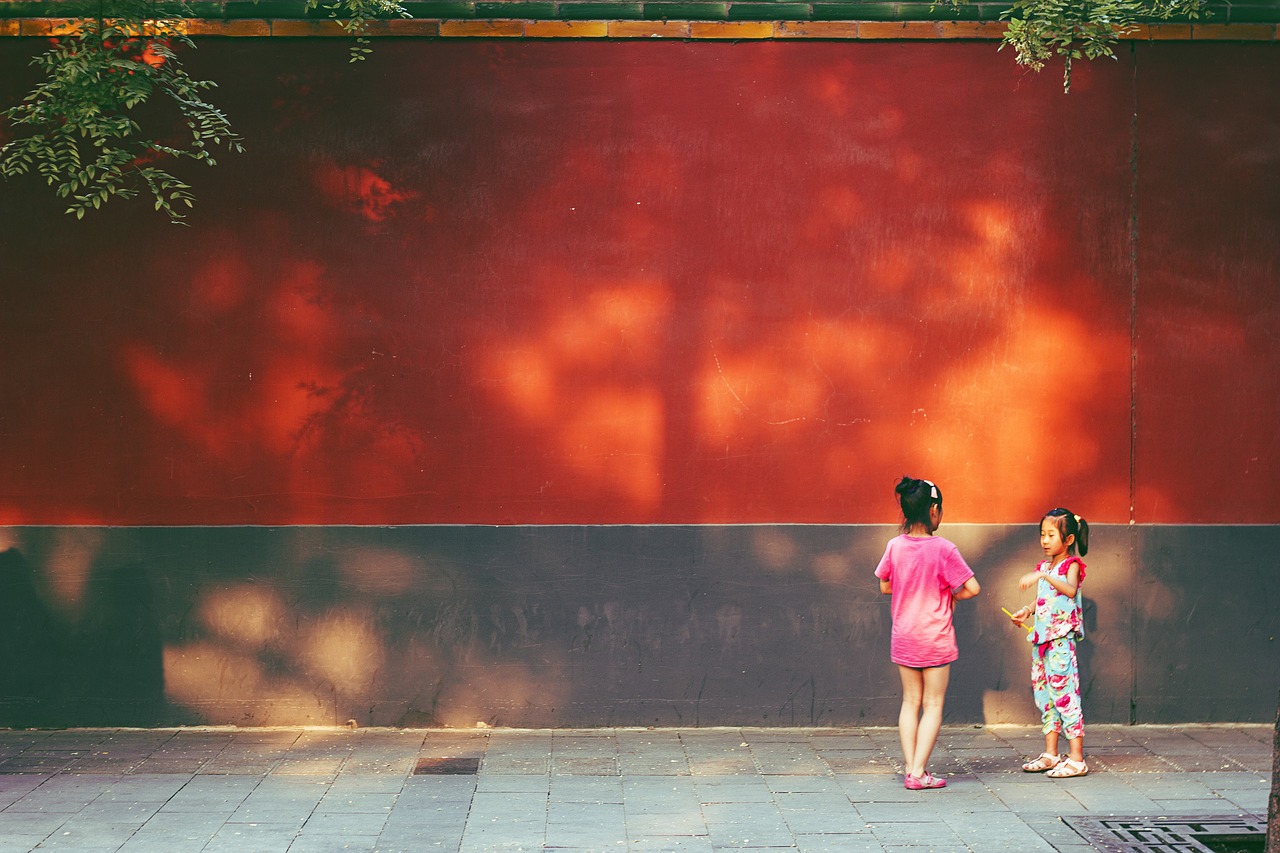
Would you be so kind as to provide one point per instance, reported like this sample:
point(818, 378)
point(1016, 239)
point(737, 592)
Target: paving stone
point(655, 824)
point(338, 843)
point(588, 789)
point(261, 838)
point(808, 790)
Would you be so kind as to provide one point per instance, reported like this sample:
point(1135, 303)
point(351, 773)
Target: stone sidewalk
point(307, 790)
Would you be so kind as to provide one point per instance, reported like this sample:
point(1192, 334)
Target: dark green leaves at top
point(1039, 30)
point(77, 129)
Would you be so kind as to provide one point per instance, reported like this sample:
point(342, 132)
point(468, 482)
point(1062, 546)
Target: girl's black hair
point(1070, 524)
point(915, 497)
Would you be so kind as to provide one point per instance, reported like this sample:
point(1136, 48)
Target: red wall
point(1208, 352)
point(588, 282)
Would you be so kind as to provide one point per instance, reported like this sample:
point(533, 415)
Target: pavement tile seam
point(1200, 770)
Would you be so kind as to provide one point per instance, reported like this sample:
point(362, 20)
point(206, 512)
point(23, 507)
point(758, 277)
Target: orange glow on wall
point(745, 283)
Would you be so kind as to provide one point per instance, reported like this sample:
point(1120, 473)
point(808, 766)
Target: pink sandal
point(925, 782)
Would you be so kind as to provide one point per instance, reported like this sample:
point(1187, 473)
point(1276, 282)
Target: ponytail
point(915, 497)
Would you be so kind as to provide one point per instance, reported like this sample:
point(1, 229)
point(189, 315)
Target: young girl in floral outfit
point(1058, 624)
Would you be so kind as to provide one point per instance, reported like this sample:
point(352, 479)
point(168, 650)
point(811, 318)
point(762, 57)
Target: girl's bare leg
point(923, 693)
point(909, 714)
point(935, 694)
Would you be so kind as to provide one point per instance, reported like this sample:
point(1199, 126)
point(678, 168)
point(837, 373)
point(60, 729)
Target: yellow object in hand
point(1010, 615)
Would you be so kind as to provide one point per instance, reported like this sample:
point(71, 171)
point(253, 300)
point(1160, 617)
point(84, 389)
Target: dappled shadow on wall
point(524, 626)
point(81, 636)
point(734, 284)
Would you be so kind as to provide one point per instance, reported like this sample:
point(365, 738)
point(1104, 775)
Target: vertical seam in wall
point(1133, 385)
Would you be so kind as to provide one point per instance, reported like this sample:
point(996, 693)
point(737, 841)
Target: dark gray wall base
point(598, 626)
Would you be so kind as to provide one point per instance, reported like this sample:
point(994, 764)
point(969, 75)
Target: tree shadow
point(99, 664)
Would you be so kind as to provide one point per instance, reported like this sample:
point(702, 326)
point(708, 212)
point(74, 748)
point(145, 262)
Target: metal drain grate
point(463, 766)
point(1182, 834)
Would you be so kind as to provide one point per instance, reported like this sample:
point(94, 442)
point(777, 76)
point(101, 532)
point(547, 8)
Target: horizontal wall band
point(632, 29)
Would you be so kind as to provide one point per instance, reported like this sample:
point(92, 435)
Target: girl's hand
point(1028, 580)
point(1021, 615)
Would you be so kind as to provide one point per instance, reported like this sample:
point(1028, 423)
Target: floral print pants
point(1055, 683)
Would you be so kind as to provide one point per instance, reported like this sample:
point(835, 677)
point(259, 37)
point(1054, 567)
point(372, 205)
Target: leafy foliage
point(1080, 29)
point(79, 130)
point(355, 16)
point(81, 135)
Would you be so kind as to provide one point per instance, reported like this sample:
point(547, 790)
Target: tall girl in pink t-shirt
point(926, 575)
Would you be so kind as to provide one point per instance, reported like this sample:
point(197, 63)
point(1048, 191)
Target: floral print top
point(1058, 616)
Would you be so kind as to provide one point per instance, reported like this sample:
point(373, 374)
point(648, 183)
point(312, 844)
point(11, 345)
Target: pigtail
point(1082, 535)
point(1070, 524)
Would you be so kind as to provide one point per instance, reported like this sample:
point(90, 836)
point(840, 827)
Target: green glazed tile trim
point(770, 12)
point(686, 11)
point(190, 10)
point(211, 11)
point(836, 12)
point(938, 12)
point(516, 9)
point(855, 11)
point(993, 11)
point(1210, 13)
point(46, 10)
point(1242, 14)
point(89, 8)
point(1217, 12)
point(440, 9)
point(240, 9)
point(601, 11)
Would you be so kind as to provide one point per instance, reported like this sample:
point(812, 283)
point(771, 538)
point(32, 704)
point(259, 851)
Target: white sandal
point(1044, 762)
point(1067, 768)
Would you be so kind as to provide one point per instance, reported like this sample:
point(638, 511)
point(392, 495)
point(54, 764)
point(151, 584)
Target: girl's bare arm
point(970, 589)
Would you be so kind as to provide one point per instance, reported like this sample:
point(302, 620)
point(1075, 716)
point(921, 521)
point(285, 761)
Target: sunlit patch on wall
point(908, 167)
point(298, 308)
point(245, 616)
point(343, 649)
point(382, 571)
point(495, 686)
point(204, 671)
point(806, 371)
point(1008, 707)
point(70, 565)
point(890, 271)
point(263, 409)
point(288, 393)
point(360, 190)
point(838, 209)
point(614, 439)
point(775, 549)
point(528, 382)
point(622, 324)
point(832, 567)
point(832, 90)
point(171, 394)
point(995, 224)
point(209, 678)
point(1054, 368)
point(989, 264)
point(585, 380)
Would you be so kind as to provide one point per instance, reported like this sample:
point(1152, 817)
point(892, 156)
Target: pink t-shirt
point(924, 570)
